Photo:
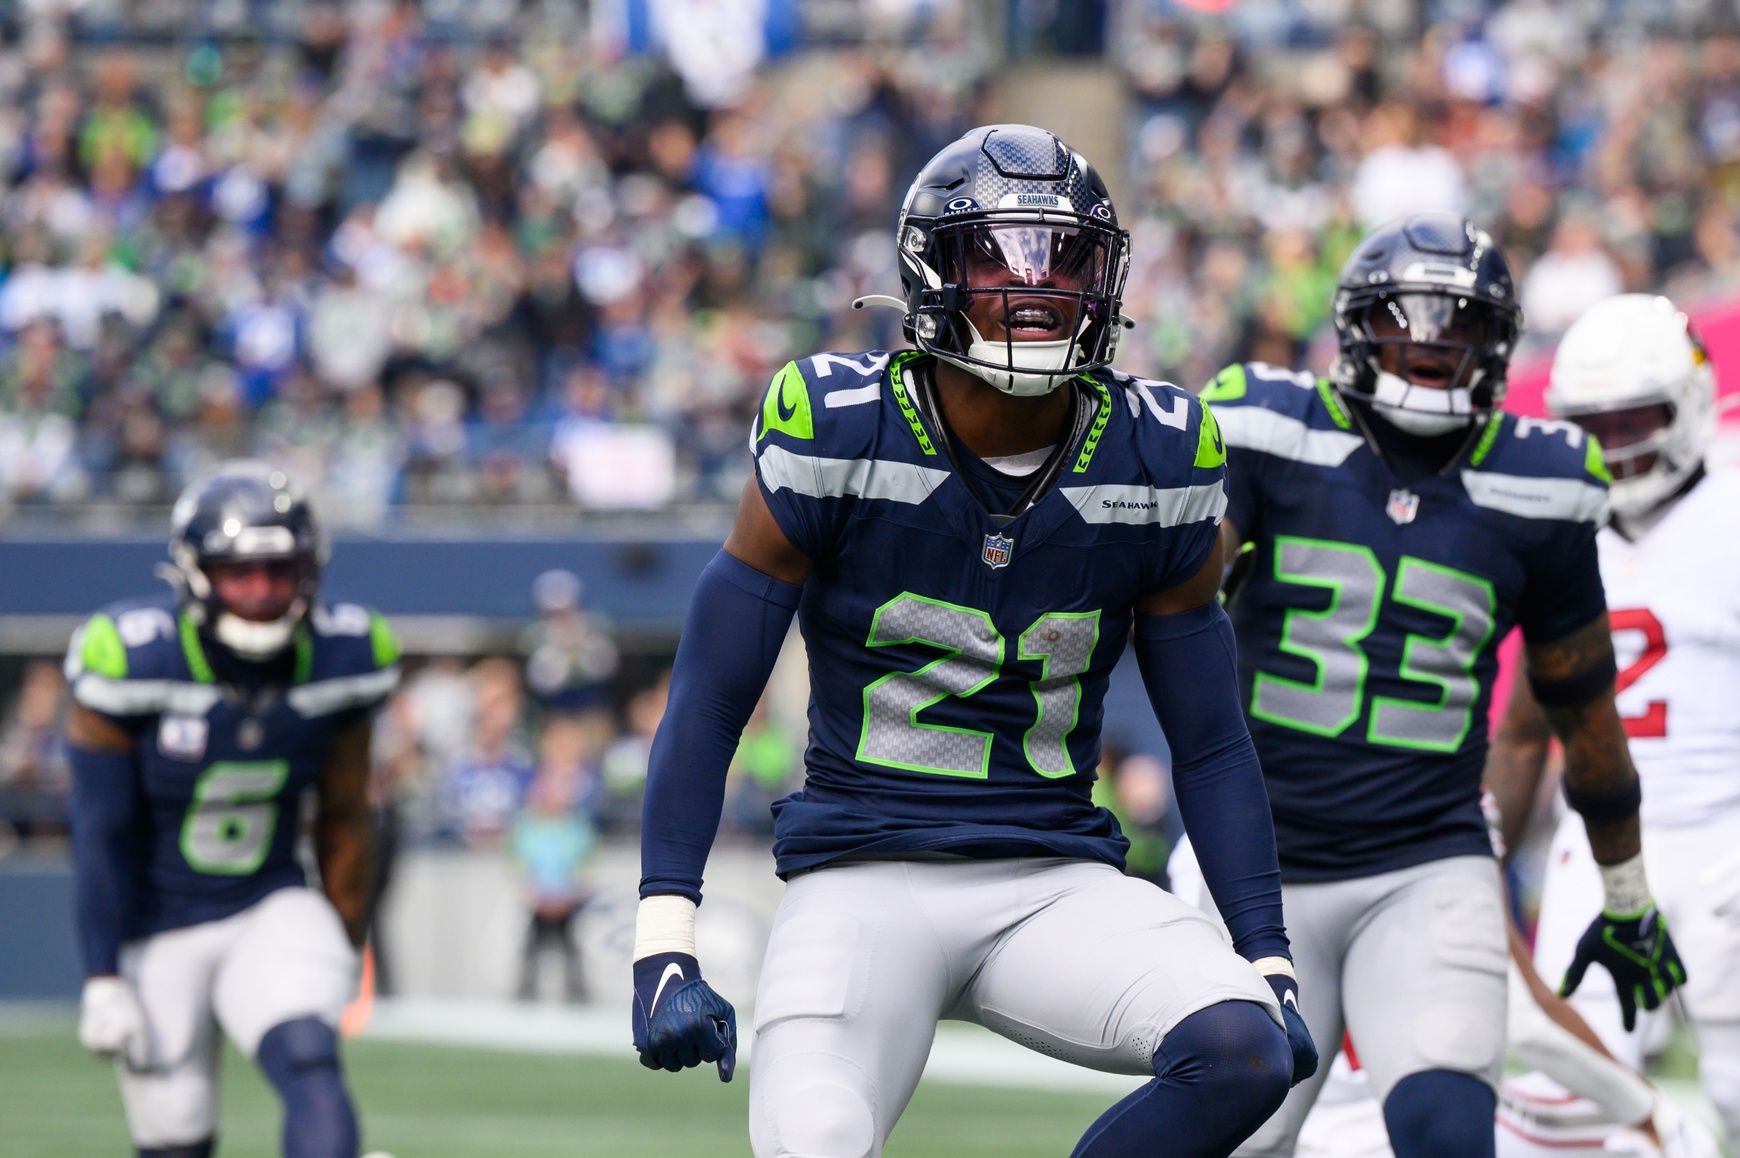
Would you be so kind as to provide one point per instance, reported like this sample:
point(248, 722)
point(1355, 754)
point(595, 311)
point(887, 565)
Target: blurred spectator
point(765, 768)
point(486, 784)
point(34, 777)
point(625, 761)
point(571, 660)
point(552, 841)
point(538, 256)
point(1136, 789)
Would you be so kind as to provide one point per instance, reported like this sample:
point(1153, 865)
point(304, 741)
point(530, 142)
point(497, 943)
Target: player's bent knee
point(817, 1120)
point(200, 1149)
point(300, 1058)
point(1233, 1049)
point(1441, 1114)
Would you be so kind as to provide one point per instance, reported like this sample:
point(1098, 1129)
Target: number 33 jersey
point(1676, 633)
point(221, 775)
point(1369, 623)
point(958, 660)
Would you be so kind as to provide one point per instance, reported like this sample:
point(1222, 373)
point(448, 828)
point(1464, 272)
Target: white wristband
point(1626, 887)
point(1269, 966)
point(664, 924)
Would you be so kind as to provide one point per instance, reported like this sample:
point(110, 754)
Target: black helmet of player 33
point(1427, 318)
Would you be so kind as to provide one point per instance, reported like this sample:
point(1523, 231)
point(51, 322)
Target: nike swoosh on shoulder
point(664, 980)
point(785, 411)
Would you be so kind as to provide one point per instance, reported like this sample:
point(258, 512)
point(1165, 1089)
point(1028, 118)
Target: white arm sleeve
point(1539, 1041)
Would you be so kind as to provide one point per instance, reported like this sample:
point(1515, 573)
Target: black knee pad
point(201, 1149)
point(300, 1058)
point(301, 1044)
point(1441, 1114)
point(1232, 1043)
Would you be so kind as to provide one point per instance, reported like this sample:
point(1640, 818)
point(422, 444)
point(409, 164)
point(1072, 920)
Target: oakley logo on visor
point(1437, 273)
point(252, 541)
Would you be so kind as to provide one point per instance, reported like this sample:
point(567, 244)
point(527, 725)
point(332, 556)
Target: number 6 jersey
point(1676, 633)
point(1369, 623)
point(958, 659)
point(222, 773)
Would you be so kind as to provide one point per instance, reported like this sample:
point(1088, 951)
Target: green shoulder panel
point(787, 405)
point(385, 642)
point(1595, 461)
point(1210, 447)
point(101, 651)
point(1229, 385)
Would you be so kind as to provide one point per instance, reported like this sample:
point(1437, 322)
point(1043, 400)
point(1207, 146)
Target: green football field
point(431, 1101)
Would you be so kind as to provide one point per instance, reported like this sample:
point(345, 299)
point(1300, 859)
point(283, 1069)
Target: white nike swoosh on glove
point(664, 980)
point(1291, 999)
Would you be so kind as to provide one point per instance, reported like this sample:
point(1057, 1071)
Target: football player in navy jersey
point(200, 721)
point(1399, 525)
point(967, 532)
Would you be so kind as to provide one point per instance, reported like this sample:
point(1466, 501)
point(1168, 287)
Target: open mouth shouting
point(1034, 321)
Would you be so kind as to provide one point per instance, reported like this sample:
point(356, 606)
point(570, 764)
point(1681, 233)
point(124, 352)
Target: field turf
point(435, 1101)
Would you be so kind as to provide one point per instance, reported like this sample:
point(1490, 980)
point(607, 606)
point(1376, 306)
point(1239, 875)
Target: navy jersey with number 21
point(958, 660)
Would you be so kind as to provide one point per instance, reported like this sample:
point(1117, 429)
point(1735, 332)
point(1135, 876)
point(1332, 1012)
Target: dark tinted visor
point(1434, 318)
point(1061, 256)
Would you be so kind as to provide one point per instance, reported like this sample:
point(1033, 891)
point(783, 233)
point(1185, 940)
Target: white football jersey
point(1674, 599)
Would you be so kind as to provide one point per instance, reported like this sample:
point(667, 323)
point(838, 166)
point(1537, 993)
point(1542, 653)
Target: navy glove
point(678, 1020)
point(1637, 950)
point(1298, 1036)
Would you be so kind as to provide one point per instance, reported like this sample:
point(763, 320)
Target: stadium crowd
point(437, 254)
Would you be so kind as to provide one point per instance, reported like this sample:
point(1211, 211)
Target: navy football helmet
point(1011, 260)
point(244, 512)
point(1427, 318)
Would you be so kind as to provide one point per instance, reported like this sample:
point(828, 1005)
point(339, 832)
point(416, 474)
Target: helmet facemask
point(1650, 450)
point(254, 633)
point(1430, 360)
point(1024, 300)
point(1633, 374)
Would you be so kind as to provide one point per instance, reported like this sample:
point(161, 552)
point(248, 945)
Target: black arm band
point(1577, 689)
point(1606, 807)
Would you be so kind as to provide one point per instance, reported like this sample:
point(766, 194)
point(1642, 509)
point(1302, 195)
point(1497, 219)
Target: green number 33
point(1332, 641)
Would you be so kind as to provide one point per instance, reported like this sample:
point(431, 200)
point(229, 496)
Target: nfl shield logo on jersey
point(182, 737)
point(997, 548)
point(1403, 506)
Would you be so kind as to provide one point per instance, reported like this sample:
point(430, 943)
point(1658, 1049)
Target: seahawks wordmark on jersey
point(1369, 625)
point(222, 772)
point(959, 658)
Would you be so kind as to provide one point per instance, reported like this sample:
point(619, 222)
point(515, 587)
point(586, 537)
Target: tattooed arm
point(1573, 679)
point(1598, 764)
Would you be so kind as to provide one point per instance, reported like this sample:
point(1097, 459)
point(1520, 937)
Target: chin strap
point(255, 641)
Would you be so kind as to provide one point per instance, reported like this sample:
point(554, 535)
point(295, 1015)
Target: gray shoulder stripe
point(854, 396)
point(324, 697)
point(1255, 428)
point(833, 478)
point(1567, 499)
point(143, 697)
point(1148, 506)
